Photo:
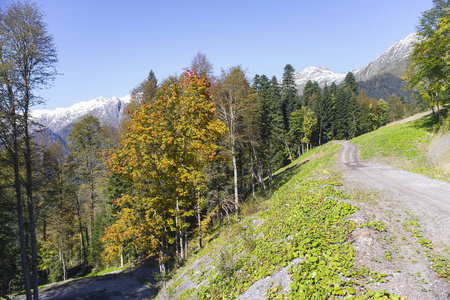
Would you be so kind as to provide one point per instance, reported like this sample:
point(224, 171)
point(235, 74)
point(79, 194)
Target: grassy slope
point(404, 146)
point(306, 217)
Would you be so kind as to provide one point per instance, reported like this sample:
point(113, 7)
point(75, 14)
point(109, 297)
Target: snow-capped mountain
point(394, 60)
point(61, 119)
point(321, 74)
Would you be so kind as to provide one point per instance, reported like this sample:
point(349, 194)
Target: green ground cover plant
point(306, 218)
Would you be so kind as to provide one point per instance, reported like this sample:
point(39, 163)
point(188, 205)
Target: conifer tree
point(279, 158)
point(289, 97)
point(271, 119)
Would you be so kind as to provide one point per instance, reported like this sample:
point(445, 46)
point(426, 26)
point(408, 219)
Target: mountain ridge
point(61, 119)
point(109, 110)
point(394, 60)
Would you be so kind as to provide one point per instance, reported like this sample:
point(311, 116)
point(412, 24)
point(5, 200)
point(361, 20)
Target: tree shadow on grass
point(284, 176)
point(432, 122)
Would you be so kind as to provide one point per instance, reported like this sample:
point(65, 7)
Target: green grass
point(306, 218)
point(101, 272)
point(403, 145)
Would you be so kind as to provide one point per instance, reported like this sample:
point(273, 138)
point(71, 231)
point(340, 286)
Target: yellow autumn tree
point(167, 145)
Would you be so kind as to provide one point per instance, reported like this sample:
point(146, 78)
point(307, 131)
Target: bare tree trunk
point(287, 148)
point(80, 228)
point(91, 199)
point(199, 221)
point(63, 264)
point(23, 247)
point(29, 191)
point(236, 191)
point(17, 186)
point(253, 176)
point(270, 167)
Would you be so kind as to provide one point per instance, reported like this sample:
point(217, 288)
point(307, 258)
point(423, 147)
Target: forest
point(190, 150)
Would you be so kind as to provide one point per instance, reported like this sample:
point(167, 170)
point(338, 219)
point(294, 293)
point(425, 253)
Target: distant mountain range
point(60, 121)
point(391, 64)
point(393, 61)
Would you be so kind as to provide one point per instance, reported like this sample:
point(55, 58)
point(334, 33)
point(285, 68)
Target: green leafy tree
point(279, 158)
point(396, 108)
point(27, 59)
point(383, 112)
point(328, 113)
point(234, 98)
point(429, 71)
point(58, 212)
point(297, 132)
point(85, 145)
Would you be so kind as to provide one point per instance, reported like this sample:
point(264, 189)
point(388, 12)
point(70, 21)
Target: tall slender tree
point(233, 97)
point(27, 58)
point(85, 144)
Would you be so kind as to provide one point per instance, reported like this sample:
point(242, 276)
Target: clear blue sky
point(107, 47)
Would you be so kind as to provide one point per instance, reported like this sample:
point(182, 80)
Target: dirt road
point(424, 192)
point(396, 197)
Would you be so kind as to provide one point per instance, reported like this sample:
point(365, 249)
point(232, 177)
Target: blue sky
point(107, 47)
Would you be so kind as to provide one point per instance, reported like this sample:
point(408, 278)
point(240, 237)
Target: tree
point(85, 145)
point(340, 126)
point(350, 83)
point(58, 210)
point(202, 66)
point(297, 133)
point(289, 97)
point(27, 58)
point(369, 115)
point(353, 116)
point(395, 107)
point(383, 112)
point(429, 71)
point(168, 144)
point(428, 23)
point(233, 97)
point(328, 113)
point(270, 116)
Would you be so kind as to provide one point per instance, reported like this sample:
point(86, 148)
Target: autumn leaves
point(168, 142)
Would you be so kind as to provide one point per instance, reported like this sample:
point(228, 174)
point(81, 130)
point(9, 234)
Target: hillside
point(326, 231)
point(417, 146)
point(330, 229)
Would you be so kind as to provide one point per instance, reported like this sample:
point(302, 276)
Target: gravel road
point(426, 198)
point(396, 197)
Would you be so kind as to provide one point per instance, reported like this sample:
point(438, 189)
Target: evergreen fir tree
point(289, 97)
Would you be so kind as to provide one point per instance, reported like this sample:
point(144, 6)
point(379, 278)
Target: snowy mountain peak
point(394, 60)
point(322, 75)
point(60, 120)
